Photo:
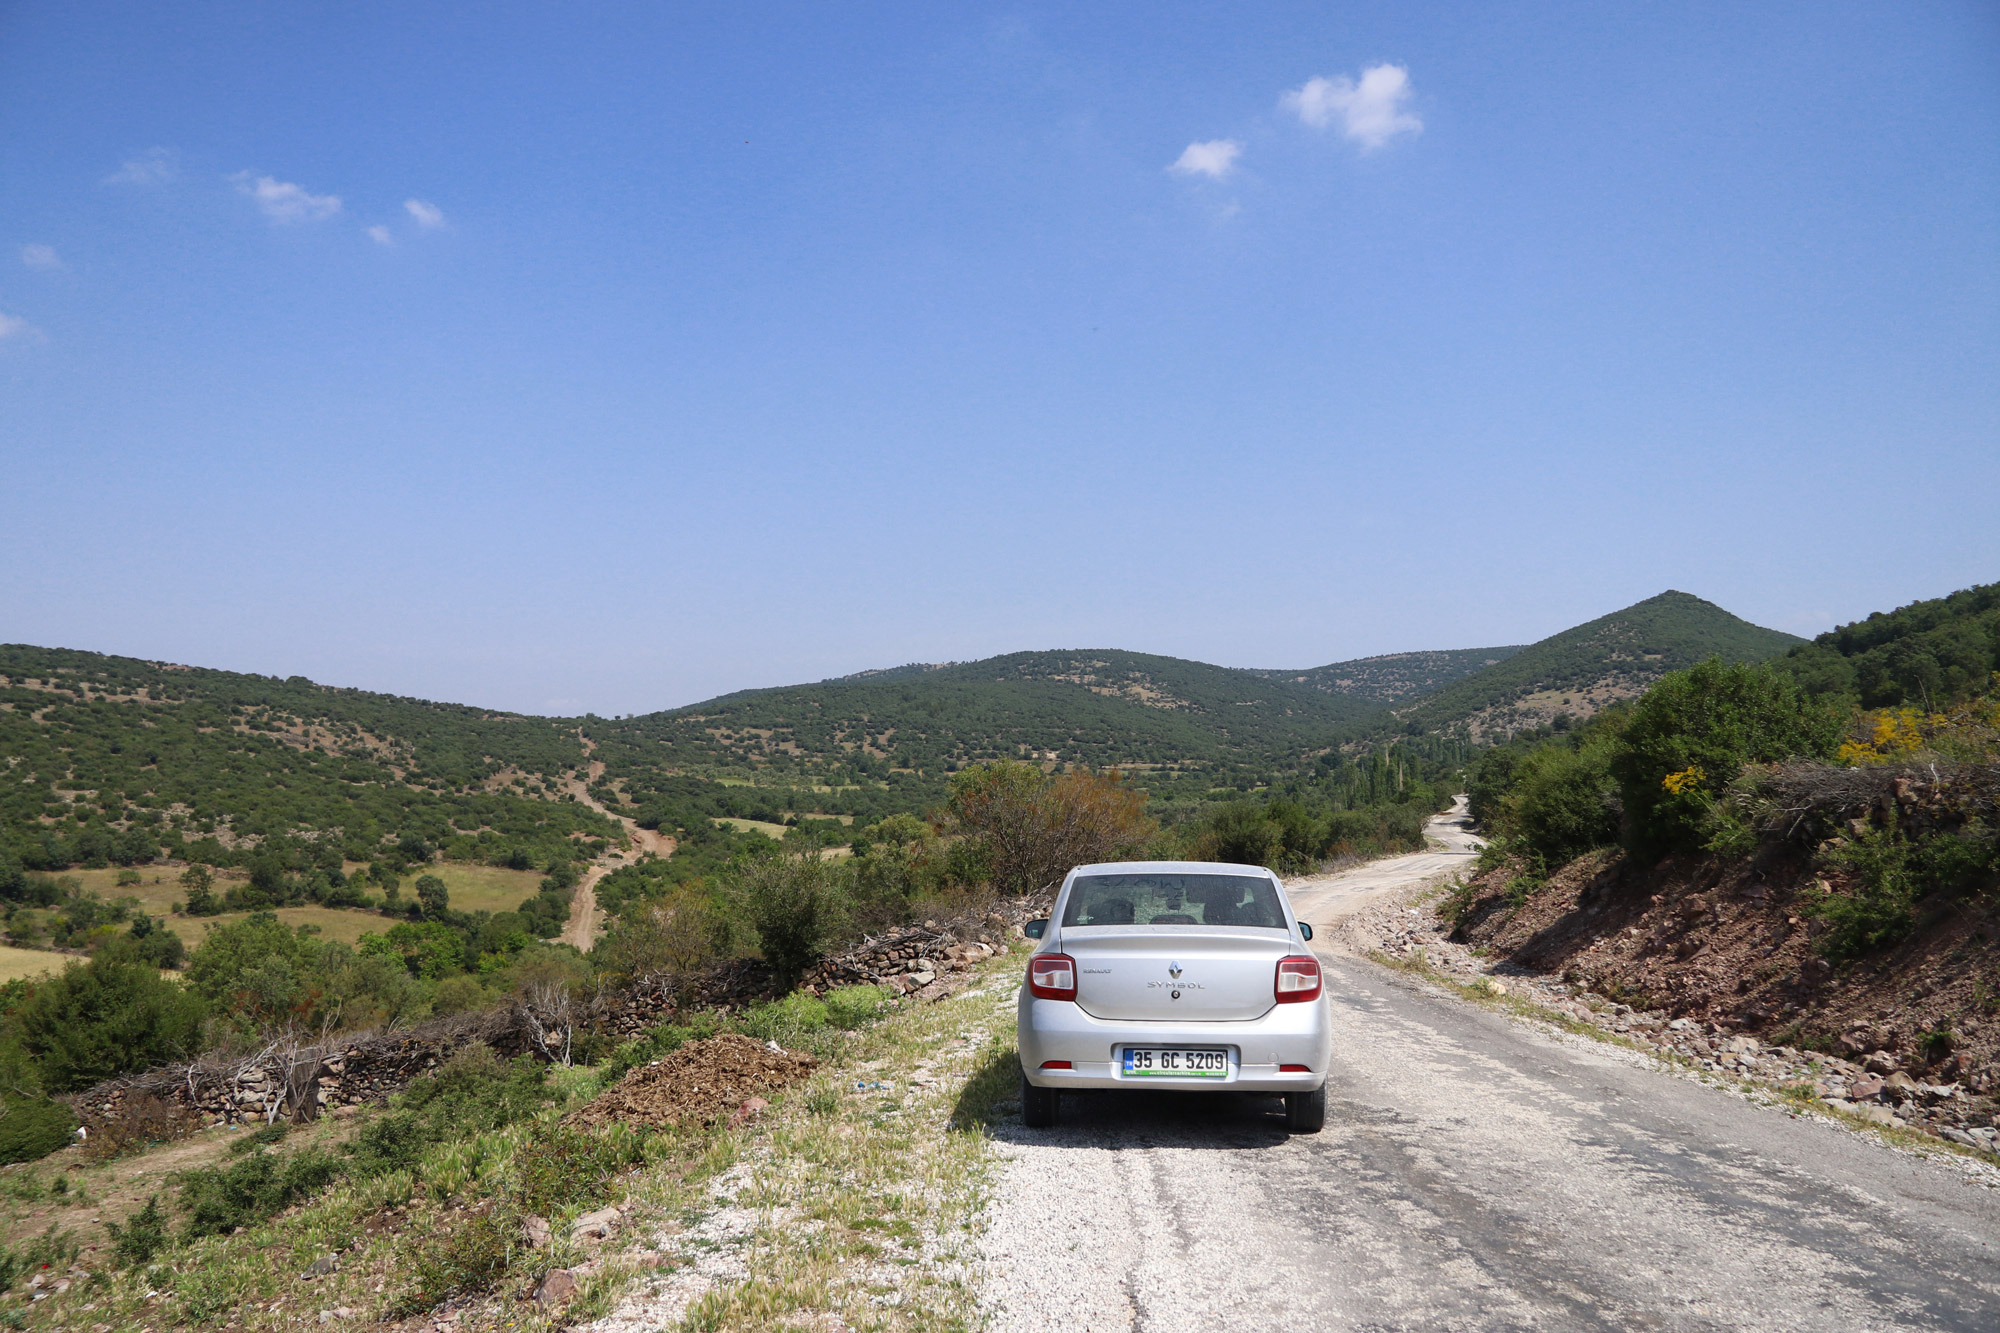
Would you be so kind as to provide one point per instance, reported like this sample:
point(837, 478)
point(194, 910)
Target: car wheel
point(1038, 1105)
point(1305, 1112)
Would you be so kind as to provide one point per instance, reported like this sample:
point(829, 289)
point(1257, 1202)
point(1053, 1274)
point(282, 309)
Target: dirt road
point(1475, 1174)
point(581, 928)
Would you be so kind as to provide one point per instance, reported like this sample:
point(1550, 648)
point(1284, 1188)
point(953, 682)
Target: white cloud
point(1214, 159)
point(283, 201)
point(427, 215)
point(41, 257)
point(1370, 112)
point(13, 327)
point(381, 236)
point(151, 167)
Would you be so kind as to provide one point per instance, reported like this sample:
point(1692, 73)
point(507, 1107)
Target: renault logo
point(1174, 971)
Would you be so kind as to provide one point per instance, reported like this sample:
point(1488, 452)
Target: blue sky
point(611, 357)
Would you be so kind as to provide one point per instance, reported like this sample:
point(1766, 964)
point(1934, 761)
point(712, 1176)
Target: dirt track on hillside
point(581, 929)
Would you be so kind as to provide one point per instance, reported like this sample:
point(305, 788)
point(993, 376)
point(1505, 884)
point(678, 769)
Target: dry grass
point(769, 830)
point(17, 963)
point(344, 924)
point(478, 888)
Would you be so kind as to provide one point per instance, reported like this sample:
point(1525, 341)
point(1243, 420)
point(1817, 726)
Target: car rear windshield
point(1173, 900)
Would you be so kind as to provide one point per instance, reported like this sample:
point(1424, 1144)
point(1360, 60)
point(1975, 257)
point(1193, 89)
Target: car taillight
point(1052, 976)
point(1298, 979)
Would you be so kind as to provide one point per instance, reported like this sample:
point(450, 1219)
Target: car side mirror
point(1034, 929)
point(1305, 931)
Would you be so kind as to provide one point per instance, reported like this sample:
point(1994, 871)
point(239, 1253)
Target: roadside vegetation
point(1870, 752)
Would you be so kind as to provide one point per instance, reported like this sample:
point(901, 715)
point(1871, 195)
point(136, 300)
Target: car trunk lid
point(1169, 974)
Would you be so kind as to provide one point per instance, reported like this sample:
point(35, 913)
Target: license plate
point(1175, 1062)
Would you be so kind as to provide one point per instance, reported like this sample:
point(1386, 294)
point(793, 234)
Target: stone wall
point(300, 1080)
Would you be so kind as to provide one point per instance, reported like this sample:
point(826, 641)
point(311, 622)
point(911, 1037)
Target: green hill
point(1930, 653)
point(117, 759)
point(1395, 677)
point(1098, 707)
point(1581, 670)
point(113, 759)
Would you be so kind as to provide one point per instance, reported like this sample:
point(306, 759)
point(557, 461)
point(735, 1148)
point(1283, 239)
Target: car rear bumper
point(1289, 1034)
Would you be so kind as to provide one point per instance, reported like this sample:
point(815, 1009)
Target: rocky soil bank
point(1860, 1076)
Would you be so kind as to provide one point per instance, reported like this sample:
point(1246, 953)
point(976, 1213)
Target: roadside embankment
point(1492, 953)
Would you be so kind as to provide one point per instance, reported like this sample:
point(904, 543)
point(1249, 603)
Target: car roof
point(1171, 868)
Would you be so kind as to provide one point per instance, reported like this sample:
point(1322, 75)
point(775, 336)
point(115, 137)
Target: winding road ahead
point(1475, 1174)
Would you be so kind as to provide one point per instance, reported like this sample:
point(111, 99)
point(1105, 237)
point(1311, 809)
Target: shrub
point(460, 995)
point(433, 900)
point(106, 1017)
point(1033, 828)
point(33, 1127)
point(460, 1260)
point(219, 1200)
point(143, 1235)
point(661, 1041)
point(785, 1021)
point(1693, 733)
point(472, 1092)
point(1893, 875)
point(1564, 803)
point(660, 941)
point(797, 904)
point(853, 1006)
point(561, 1168)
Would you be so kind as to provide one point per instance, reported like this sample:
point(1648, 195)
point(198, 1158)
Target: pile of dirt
point(702, 1081)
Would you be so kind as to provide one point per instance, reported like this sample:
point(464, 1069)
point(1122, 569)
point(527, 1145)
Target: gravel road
point(1474, 1174)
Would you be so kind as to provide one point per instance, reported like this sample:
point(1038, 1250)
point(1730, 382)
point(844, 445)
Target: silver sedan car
point(1191, 975)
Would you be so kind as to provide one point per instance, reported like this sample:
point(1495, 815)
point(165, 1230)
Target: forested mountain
point(117, 759)
point(1580, 670)
point(113, 759)
point(1097, 708)
point(1396, 677)
point(1928, 653)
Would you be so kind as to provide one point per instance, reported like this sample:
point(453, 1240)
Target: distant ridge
point(1581, 670)
point(1101, 707)
point(1394, 677)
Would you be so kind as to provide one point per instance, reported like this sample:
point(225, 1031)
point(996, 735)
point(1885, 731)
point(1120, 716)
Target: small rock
point(1865, 1089)
point(1960, 1137)
point(919, 980)
point(1900, 1086)
point(595, 1226)
point(558, 1286)
point(536, 1231)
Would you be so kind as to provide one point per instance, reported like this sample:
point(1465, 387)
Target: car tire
point(1038, 1105)
point(1305, 1112)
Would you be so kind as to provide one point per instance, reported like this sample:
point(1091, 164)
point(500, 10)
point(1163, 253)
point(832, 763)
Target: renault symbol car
point(1190, 975)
